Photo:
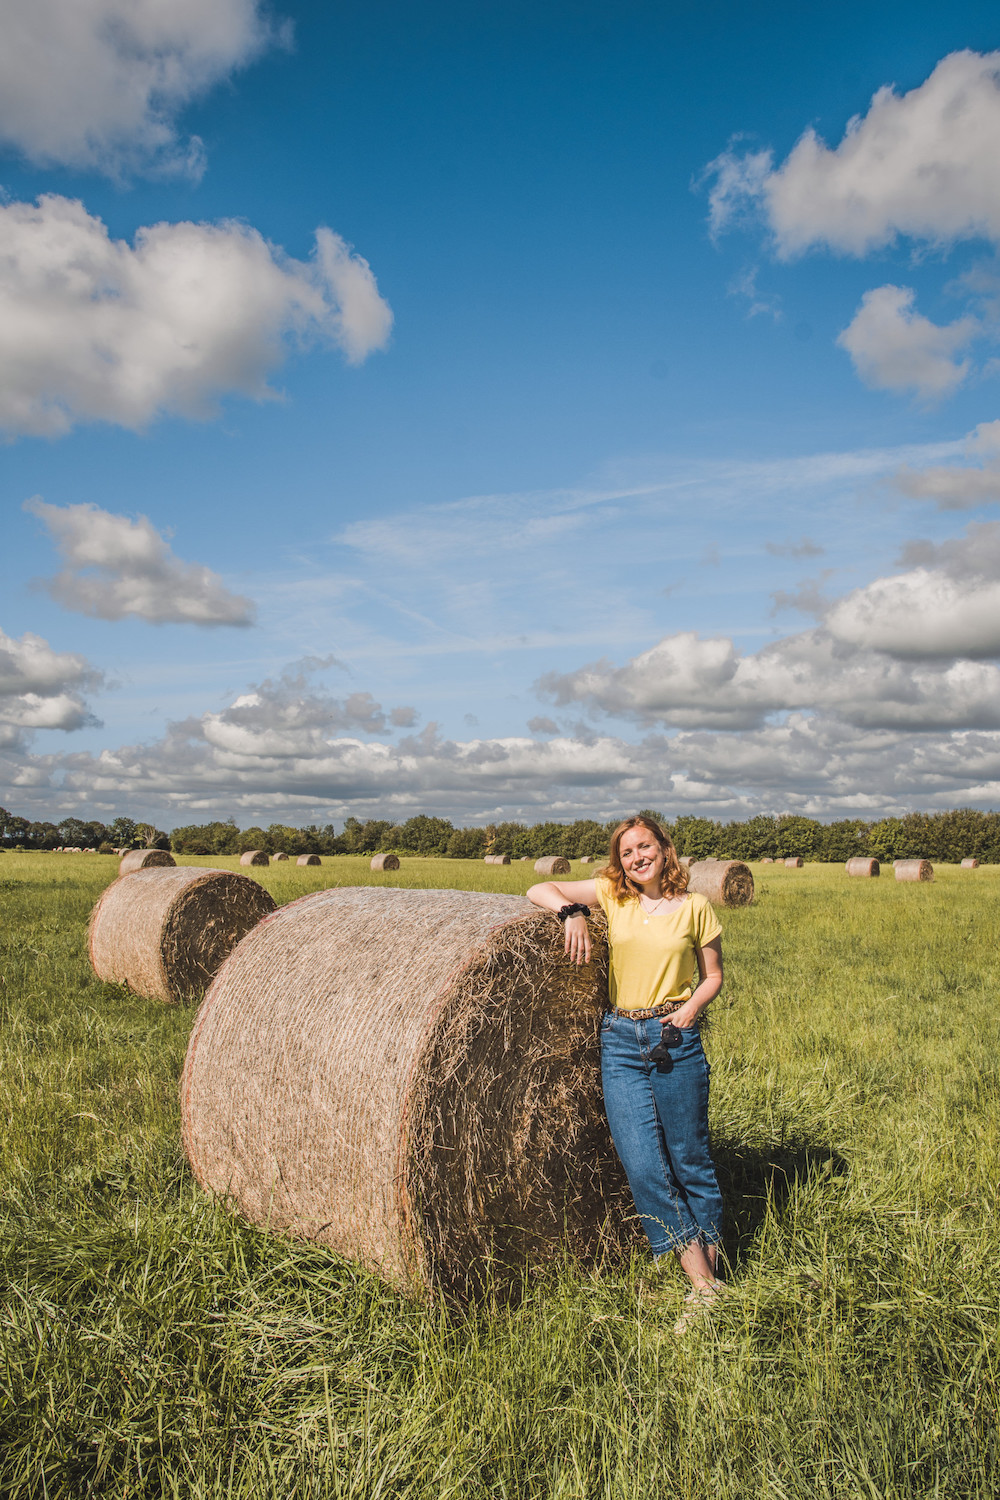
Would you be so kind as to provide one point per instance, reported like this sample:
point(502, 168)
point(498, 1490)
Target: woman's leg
point(680, 1088)
point(636, 1128)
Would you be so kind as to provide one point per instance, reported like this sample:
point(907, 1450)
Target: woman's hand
point(685, 1016)
point(578, 938)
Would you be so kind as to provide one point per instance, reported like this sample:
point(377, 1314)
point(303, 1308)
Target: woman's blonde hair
point(674, 880)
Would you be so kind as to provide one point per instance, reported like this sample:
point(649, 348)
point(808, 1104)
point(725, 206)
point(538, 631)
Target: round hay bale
point(254, 857)
point(524, 859)
point(863, 867)
point(311, 859)
point(793, 862)
point(914, 869)
point(385, 862)
point(552, 864)
point(144, 859)
point(970, 864)
point(450, 1121)
point(497, 859)
point(278, 859)
point(164, 932)
point(725, 882)
point(767, 860)
point(687, 860)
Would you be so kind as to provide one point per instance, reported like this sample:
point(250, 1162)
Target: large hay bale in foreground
point(413, 1078)
point(914, 869)
point(309, 859)
point(164, 932)
point(142, 859)
point(278, 859)
point(970, 864)
point(864, 867)
point(552, 864)
point(385, 862)
point(254, 857)
point(725, 882)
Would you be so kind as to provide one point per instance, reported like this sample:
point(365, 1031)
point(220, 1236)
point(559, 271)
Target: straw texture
point(308, 859)
point(725, 882)
point(914, 869)
point(385, 862)
point(144, 859)
point(864, 867)
point(970, 864)
point(411, 1077)
point(552, 864)
point(254, 857)
point(164, 932)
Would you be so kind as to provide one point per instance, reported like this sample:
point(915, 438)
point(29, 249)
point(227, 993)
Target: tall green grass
point(153, 1345)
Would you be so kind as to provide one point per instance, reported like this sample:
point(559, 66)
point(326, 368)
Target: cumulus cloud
point(688, 682)
point(895, 348)
point(95, 330)
point(41, 688)
point(946, 604)
point(919, 164)
point(99, 83)
point(952, 487)
point(116, 566)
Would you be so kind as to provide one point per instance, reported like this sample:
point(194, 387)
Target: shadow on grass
point(757, 1180)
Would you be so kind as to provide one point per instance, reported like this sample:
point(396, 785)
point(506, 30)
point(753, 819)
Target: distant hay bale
point(767, 860)
point(725, 882)
point(970, 864)
point(164, 932)
point(277, 859)
point(452, 1120)
point(793, 862)
point(552, 864)
point(863, 867)
point(914, 869)
point(312, 859)
point(144, 859)
point(254, 857)
point(385, 862)
point(524, 859)
point(687, 860)
point(496, 859)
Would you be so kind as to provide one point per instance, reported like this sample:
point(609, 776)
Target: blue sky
point(498, 411)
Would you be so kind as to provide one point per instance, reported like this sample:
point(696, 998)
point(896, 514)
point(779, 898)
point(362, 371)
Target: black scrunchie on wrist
point(577, 909)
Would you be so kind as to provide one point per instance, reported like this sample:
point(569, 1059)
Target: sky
point(499, 410)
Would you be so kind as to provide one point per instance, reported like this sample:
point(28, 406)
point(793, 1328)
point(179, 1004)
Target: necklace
point(651, 911)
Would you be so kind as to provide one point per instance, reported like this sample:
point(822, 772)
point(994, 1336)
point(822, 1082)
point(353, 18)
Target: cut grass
point(154, 1345)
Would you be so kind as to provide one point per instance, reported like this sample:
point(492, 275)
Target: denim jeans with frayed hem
point(658, 1115)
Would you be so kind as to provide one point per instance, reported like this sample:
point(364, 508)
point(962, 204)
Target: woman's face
point(640, 853)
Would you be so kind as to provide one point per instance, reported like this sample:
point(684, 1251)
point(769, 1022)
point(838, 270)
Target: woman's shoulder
point(703, 914)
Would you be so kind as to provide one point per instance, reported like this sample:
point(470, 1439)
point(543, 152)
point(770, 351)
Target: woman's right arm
point(553, 895)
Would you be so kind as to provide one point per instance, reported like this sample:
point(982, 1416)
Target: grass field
point(155, 1346)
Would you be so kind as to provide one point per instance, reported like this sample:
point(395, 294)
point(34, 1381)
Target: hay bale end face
point(793, 863)
point(970, 864)
point(385, 862)
point(452, 1120)
point(864, 867)
point(143, 859)
point(914, 869)
point(308, 859)
point(552, 864)
point(724, 882)
point(165, 932)
point(687, 860)
point(254, 857)
point(278, 859)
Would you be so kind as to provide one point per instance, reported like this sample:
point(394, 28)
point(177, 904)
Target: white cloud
point(98, 83)
point(116, 566)
point(92, 329)
point(41, 688)
point(687, 682)
point(920, 164)
point(958, 488)
point(946, 605)
point(895, 348)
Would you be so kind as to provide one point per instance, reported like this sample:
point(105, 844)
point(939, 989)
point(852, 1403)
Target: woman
point(653, 1066)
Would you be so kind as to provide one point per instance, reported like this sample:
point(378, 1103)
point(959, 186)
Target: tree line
point(943, 836)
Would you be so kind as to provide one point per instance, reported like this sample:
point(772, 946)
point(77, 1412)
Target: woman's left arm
point(710, 969)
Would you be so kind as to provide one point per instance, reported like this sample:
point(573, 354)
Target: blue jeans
point(659, 1123)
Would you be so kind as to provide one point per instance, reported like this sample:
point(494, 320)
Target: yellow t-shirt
point(653, 958)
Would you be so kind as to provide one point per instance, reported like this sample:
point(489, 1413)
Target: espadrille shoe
point(697, 1305)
